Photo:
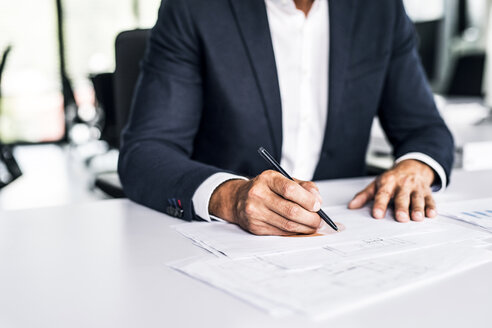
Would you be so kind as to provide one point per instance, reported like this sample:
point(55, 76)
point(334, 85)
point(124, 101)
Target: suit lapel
point(342, 14)
point(252, 20)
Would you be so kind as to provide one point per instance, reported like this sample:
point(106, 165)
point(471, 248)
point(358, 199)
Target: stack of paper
point(333, 287)
point(320, 276)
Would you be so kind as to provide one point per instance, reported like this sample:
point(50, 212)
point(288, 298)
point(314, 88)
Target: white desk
point(103, 264)
point(52, 176)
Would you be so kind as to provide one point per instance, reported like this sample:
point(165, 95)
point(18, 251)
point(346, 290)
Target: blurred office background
point(63, 98)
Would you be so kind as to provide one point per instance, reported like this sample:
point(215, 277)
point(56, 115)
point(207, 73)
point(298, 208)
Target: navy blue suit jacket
point(208, 96)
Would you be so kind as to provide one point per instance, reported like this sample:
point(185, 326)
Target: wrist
point(224, 198)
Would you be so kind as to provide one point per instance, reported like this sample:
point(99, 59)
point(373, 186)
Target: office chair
point(129, 50)
point(9, 169)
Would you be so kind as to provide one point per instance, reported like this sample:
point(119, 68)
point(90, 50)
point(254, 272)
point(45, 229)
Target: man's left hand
point(409, 184)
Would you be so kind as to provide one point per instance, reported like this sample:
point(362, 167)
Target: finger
point(418, 206)
point(292, 191)
point(308, 185)
point(363, 197)
point(430, 206)
point(280, 222)
point(293, 212)
point(381, 201)
point(402, 204)
point(255, 220)
point(311, 187)
point(260, 228)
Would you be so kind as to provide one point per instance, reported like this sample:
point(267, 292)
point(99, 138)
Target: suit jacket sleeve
point(155, 159)
point(408, 113)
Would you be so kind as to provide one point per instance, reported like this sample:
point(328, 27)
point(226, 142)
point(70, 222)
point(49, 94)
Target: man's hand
point(408, 183)
point(269, 204)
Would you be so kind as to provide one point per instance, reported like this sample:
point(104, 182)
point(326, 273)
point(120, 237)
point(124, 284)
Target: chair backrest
point(129, 50)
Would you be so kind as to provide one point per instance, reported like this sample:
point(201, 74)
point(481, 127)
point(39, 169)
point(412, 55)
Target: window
point(32, 102)
point(31, 105)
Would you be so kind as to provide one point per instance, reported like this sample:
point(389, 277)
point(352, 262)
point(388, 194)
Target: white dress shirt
point(301, 48)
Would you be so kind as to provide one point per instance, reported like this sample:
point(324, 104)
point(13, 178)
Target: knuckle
point(249, 209)
point(292, 211)
point(288, 189)
point(268, 174)
point(255, 192)
point(380, 203)
point(402, 201)
point(387, 178)
point(383, 194)
point(309, 185)
point(289, 226)
point(408, 181)
point(402, 194)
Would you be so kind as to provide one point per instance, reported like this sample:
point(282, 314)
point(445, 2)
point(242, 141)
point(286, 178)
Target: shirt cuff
point(202, 195)
point(426, 159)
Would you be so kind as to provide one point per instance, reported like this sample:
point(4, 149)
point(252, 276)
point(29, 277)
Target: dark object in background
point(429, 33)
point(103, 88)
point(2, 66)
point(114, 92)
point(129, 50)
point(468, 69)
point(9, 169)
point(110, 184)
point(467, 77)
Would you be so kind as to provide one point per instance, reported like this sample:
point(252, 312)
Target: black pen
point(277, 167)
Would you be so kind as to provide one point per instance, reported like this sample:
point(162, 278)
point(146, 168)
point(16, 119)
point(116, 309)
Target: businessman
point(302, 78)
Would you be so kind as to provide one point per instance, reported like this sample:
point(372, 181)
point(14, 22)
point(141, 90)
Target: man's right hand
point(269, 204)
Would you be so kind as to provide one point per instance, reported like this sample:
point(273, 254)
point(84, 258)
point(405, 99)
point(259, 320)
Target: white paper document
point(332, 272)
point(334, 287)
point(372, 248)
point(476, 212)
point(232, 241)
